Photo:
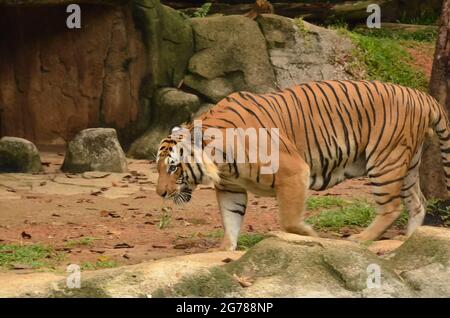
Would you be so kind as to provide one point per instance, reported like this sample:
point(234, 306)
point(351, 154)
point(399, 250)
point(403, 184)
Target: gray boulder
point(301, 52)
point(172, 107)
point(19, 155)
point(230, 55)
point(95, 149)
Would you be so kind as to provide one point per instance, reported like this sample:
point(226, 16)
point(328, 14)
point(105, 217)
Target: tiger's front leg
point(232, 206)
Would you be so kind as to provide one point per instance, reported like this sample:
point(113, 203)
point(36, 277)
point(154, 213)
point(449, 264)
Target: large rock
point(56, 81)
point(171, 107)
point(230, 55)
point(285, 265)
point(95, 149)
point(301, 52)
point(19, 155)
point(169, 41)
point(295, 266)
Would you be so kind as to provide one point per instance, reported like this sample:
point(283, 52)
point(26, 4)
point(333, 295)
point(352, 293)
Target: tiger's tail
point(442, 128)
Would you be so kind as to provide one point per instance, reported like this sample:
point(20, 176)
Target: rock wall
point(55, 81)
point(141, 67)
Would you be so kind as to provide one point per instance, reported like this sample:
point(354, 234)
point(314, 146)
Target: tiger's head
point(178, 177)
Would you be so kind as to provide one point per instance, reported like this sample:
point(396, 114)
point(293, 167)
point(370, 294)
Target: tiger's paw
point(359, 238)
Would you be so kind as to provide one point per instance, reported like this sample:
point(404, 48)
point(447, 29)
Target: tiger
point(328, 131)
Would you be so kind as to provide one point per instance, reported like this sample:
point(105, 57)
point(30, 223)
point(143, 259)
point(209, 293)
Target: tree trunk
point(432, 178)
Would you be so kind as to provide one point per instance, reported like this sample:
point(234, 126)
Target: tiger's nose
point(163, 194)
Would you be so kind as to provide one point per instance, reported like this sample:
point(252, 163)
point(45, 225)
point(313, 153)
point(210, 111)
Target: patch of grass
point(358, 213)
point(246, 241)
point(425, 34)
point(300, 23)
point(425, 18)
point(100, 264)
point(164, 218)
point(33, 255)
point(324, 202)
point(387, 60)
point(215, 234)
point(84, 241)
point(438, 212)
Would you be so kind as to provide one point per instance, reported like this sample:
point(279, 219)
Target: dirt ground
point(101, 216)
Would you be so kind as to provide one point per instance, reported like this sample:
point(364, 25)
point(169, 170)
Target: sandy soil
point(119, 214)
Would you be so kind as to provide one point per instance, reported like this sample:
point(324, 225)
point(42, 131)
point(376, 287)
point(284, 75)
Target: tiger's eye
point(173, 168)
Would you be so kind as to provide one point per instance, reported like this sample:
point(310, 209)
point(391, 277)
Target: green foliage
point(300, 23)
point(164, 219)
point(354, 214)
point(425, 18)
point(386, 60)
point(84, 241)
point(426, 34)
point(98, 265)
point(202, 11)
point(246, 241)
point(439, 210)
point(33, 255)
point(324, 202)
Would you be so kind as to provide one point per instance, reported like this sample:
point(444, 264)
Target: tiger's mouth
point(182, 197)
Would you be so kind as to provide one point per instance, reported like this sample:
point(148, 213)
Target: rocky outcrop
point(294, 266)
point(171, 107)
point(56, 81)
point(284, 265)
point(111, 67)
point(301, 52)
point(19, 155)
point(235, 53)
point(95, 149)
point(230, 55)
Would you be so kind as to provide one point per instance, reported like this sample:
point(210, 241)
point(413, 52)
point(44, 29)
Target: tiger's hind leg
point(387, 184)
point(291, 191)
point(232, 207)
point(413, 197)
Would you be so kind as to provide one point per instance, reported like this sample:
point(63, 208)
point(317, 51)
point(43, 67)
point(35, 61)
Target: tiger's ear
point(175, 129)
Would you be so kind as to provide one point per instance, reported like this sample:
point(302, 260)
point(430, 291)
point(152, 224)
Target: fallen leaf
point(227, 260)
point(123, 245)
point(25, 235)
point(159, 246)
point(96, 193)
point(244, 281)
point(98, 251)
point(55, 215)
